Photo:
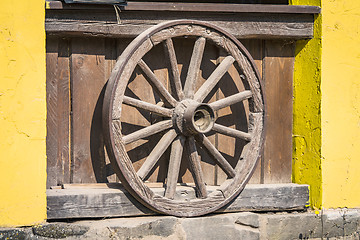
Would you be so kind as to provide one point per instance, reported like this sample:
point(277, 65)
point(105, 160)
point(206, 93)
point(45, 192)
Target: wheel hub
point(191, 117)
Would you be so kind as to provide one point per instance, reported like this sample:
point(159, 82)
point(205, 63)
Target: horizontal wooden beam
point(114, 201)
point(132, 23)
point(194, 7)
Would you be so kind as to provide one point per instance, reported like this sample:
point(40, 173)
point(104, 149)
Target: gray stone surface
point(342, 222)
point(12, 234)
point(162, 227)
point(248, 219)
point(291, 226)
point(337, 224)
point(217, 227)
point(59, 230)
point(331, 224)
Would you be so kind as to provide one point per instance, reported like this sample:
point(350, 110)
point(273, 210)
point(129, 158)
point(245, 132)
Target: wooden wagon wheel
point(186, 118)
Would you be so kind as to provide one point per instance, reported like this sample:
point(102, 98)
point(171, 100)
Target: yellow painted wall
point(327, 106)
point(22, 113)
point(340, 108)
point(307, 118)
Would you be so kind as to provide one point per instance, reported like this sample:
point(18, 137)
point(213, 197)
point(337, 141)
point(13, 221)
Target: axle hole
point(203, 120)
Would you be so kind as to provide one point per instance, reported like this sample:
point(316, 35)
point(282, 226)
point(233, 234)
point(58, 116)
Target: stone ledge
point(329, 224)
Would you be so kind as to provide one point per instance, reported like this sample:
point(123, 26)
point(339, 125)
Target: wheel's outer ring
point(121, 162)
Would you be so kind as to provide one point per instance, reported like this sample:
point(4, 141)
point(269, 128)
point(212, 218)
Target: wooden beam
point(242, 26)
point(189, 7)
point(115, 201)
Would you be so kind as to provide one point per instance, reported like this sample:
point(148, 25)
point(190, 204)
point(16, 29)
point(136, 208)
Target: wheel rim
point(187, 119)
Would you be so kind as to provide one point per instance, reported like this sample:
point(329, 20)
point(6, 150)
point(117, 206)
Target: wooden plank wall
point(77, 71)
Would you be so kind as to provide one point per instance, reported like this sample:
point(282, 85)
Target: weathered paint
point(327, 106)
point(22, 113)
point(340, 106)
point(307, 118)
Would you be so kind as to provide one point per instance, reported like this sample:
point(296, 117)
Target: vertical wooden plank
point(255, 48)
point(58, 111)
point(87, 79)
point(278, 78)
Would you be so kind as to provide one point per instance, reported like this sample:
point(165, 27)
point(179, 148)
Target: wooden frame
point(247, 21)
point(268, 32)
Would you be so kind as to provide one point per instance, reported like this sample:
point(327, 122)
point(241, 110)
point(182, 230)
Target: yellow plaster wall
point(307, 118)
point(22, 113)
point(340, 107)
point(327, 106)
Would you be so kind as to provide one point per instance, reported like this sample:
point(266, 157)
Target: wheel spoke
point(177, 148)
point(147, 106)
point(231, 132)
point(157, 85)
point(156, 153)
point(147, 131)
point(225, 102)
point(214, 78)
point(194, 67)
point(169, 46)
point(221, 161)
point(195, 168)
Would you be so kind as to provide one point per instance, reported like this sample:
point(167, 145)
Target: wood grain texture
point(147, 106)
point(117, 202)
point(156, 153)
point(87, 80)
point(147, 131)
point(177, 148)
point(194, 67)
point(278, 77)
point(245, 6)
point(195, 167)
point(217, 156)
point(175, 74)
point(214, 78)
point(246, 25)
point(156, 84)
point(58, 111)
point(255, 48)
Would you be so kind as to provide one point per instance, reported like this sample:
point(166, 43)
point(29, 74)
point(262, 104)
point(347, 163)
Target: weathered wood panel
point(58, 111)
point(87, 82)
point(255, 48)
point(200, 6)
point(278, 77)
point(247, 25)
point(116, 201)
point(92, 60)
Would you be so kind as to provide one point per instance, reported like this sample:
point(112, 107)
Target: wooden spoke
point(214, 78)
point(147, 106)
point(177, 148)
point(194, 67)
point(231, 132)
point(158, 86)
point(169, 46)
point(147, 131)
point(225, 102)
point(221, 161)
point(156, 153)
point(195, 168)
